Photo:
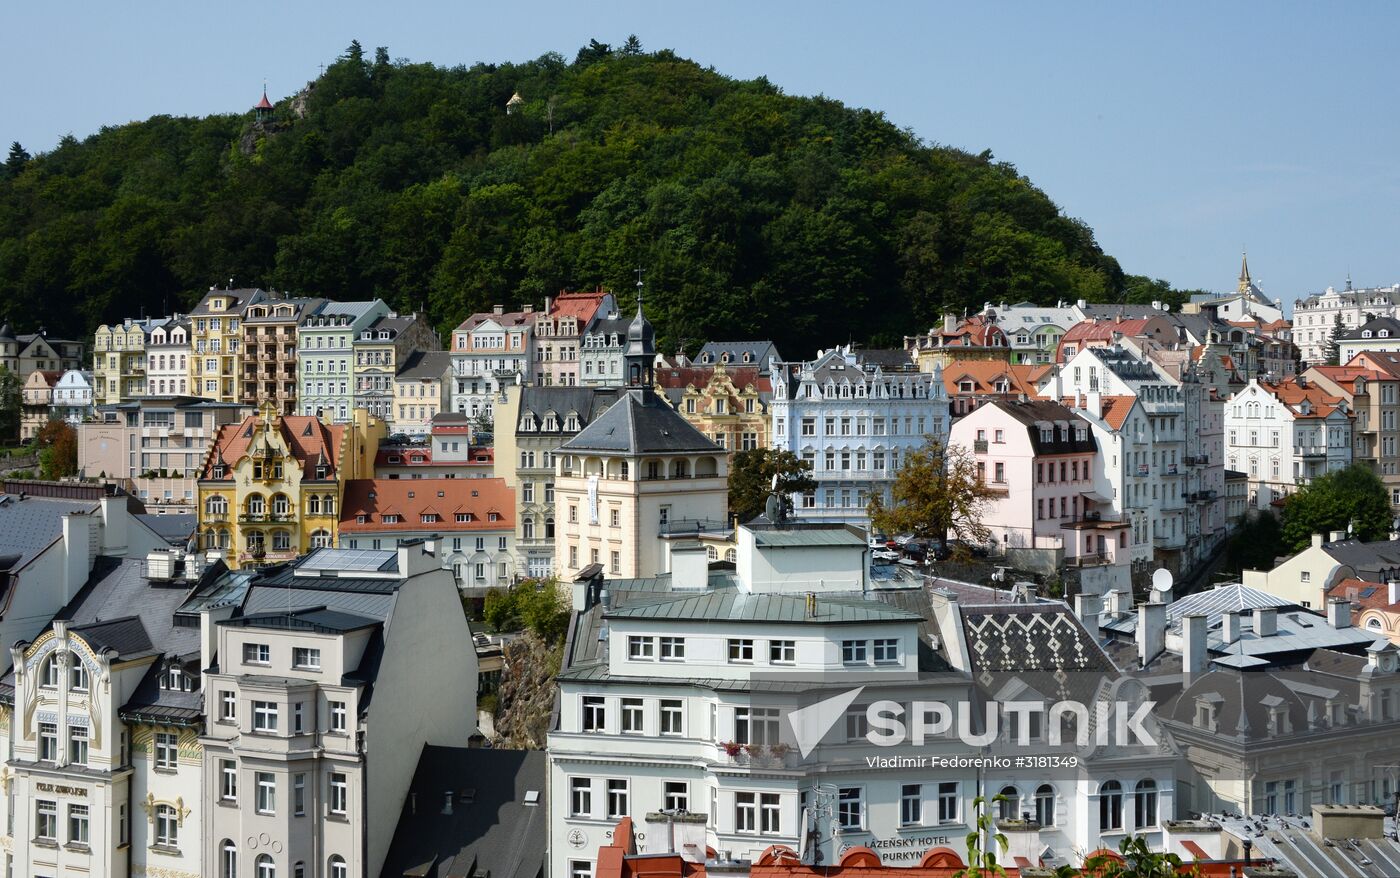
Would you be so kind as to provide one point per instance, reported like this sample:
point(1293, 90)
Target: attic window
point(1384, 333)
point(440, 494)
point(360, 519)
point(391, 518)
point(1365, 333)
point(307, 431)
point(410, 495)
point(493, 516)
point(464, 518)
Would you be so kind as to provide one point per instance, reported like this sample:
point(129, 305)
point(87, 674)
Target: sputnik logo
point(811, 723)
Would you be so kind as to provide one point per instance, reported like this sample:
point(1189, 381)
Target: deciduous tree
point(751, 475)
point(936, 493)
point(58, 450)
point(1352, 498)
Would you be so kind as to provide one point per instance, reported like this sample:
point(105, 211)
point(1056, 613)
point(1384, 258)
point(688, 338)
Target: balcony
point(1312, 452)
point(265, 518)
point(1171, 470)
point(1095, 559)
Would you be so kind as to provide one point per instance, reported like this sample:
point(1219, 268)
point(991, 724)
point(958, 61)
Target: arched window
point(549, 528)
point(167, 826)
point(266, 869)
point(338, 868)
point(1009, 808)
point(1110, 806)
point(712, 553)
point(256, 506)
point(1145, 803)
point(320, 539)
point(1045, 805)
point(77, 674)
point(328, 505)
point(731, 556)
point(228, 859)
point(211, 540)
point(217, 504)
point(527, 528)
point(313, 505)
point(281, 506)
point(281, 541)
point(224, 539)
point(48, 674)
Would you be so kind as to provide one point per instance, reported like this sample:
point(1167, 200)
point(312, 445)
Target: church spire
point(1245, 282)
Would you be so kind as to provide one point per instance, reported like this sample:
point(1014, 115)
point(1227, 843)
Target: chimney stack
point(1337, 536)
point(1194, 656)
point(1087, 607)
point(1230, 628)
point(498, 309)
point(1394, 586)
point(1265, 621)
point(1151, 631)
point(1317, 540)
point(1339, 613)
point(1119, 602)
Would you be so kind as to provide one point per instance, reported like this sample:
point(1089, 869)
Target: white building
point(72, 396)
point(491, 350)
point(318, 706)
point(1283, 435)
point(678, 699)
point(167, 358)
point(1376, 334)
point(1315, 316)
point(855, 422)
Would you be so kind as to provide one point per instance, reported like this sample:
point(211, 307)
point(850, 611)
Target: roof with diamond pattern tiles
point(1030, 637)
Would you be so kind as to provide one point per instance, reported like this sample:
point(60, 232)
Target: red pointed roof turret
point(263, 104)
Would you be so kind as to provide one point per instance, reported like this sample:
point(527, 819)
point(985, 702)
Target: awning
point(1090, 495)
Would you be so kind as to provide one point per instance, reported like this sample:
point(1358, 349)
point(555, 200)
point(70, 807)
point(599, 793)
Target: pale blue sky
point(1179, 131)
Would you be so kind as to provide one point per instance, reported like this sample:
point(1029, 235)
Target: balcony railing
point(679, 526)
point(1094, 559)
point(265, 518)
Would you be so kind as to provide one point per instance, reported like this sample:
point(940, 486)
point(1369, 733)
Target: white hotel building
point(677, 698)
point(854, 420)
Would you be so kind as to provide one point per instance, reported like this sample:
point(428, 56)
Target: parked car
point(877, 541)
point(916, 550)
point(886, 555)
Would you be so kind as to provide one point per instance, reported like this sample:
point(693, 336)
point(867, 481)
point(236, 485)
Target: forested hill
point(754, 213)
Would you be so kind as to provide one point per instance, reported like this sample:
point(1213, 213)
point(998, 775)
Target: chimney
point(1230, 628)
point(114, 525)
point(1151, 631)
point(1339, 613)
point(1056, 384)
point(1317, 541)
point(1119, 603)
point(1082, 303)
point(1337, 536)
point(1194, 657)
point(528, 308)
point(548, 306)
point(950, 322)
point(1087, 607)
point(78, 552)
point(1093, 403)
point(1394, 586)
point(690, 566)
point(1265, 621)
point(498, 309)
point(209, 620)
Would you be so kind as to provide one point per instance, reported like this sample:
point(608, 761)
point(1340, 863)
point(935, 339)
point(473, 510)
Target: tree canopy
point(751, 477)
point(936, 492)
point(1353, 497)
point(756, 213)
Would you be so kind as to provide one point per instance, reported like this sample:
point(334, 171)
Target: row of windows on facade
point(643, 647)
point(860, 390)
point(280, 504)
point(855, 426)
point(254, 541)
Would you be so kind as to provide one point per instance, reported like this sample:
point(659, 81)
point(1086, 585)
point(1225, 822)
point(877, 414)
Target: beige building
point(422, 390)
point(380, 349)
point(154, 447)
point(36, 400)
point(24, 353)
point(638, 472)
point(729, 404)
point(270, 350)
point(216, 340)
point(119, 360)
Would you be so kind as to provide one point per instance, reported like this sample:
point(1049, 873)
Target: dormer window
point(361, 519)
point(430, 518)
point(571, 424)
point(1365, 333)
point(493, 516)
point(1384, 333)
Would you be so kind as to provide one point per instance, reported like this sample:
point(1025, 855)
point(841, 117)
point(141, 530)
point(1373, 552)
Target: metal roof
point(640, 423)
point(807, 536)
point(731, 606)
point(320, 620)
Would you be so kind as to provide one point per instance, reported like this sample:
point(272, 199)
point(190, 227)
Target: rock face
point(526, 697)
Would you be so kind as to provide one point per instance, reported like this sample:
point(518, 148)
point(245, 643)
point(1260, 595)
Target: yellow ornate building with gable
point(272, 485)
point(729, 404)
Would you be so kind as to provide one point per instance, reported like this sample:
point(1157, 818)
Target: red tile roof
point(985, 375)
point(582, 305)
point(684, 376)
point(411, 499)
point(974, 331)
point(1290, 394)
point(307, 438)
point(1352, 589)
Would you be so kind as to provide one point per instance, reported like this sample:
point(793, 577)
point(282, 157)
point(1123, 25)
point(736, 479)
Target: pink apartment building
point(559, 330)
point(1039, 458)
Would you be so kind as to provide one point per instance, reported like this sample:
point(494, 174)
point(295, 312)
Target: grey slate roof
point(1030, 637)
point(425, 364)
point(1374, 326)
point(760, 353)
point(174, 529)
point(127, 637)
point(1369, 560)
point(237, 299)
point(733, 606)
point(586, 402)
point(640, 423)
point(320, 620)
point(496, 832)
point(31, 525)
point(806, 536)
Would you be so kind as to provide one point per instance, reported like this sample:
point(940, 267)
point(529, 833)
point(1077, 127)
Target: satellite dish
point(1161, 579)
point(773, 508)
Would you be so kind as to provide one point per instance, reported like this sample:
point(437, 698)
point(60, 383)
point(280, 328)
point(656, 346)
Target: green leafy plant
point(980, 861)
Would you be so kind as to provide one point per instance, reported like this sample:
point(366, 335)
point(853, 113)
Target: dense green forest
point(754, 213)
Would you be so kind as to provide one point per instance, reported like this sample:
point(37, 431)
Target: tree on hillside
point(536, 604)
point(57, 443)
point(751, 480)
point(16, 160)
point(937, 491)
point(633, 46)
point(1352, 498)
point(9, 405)
point(1334, 342)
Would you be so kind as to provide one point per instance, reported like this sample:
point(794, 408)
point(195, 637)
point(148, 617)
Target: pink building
point(1040, 458)
point(559, 330)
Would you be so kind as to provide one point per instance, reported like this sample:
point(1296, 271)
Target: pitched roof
point(975, 331)
point(758, 352)
point(1293, 394)
point(1374, 326)
point(1371, 561)
point(424, 365)
point(1364, 595)
point(309, 440)
point(237, 299)
point(581, 305)
point(411, 499)
point(1036, 413)
point(499, 824)
point(505, 318)
point(984, 375)
point(1104, 330)
point(640, 423)
point(734, 606)
point(586, 402)
point(30, 525)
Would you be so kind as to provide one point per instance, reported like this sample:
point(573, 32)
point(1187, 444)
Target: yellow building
point(272, 484)
point(119, 360)
point(729, 404)
point(216, 343)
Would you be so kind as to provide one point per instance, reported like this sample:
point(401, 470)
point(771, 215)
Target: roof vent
point(532, 798)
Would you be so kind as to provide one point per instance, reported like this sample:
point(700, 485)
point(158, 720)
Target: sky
point(1182, 133)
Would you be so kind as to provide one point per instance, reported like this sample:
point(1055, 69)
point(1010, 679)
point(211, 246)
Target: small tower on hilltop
point(515, 103)
point(639, 360)
point(1245, 281)
point(262, 111)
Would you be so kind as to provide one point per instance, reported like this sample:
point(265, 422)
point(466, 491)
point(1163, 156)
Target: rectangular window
point(257, 654)
point(756, 725)
point(676, 796)
point(672, 649)
point(672, 717)
point(78, 745)
point(78, 825)
point(641, 649)
point(911, 805)
point(167, 749)
point(782, 652)
point(228, 705)
point(46, 820)
point(339, 793)
point(299, 794)
point(338, 716)
point(264, 716)
point(48, 742)
point(850, 808)
point(853, 652)
point(886, 651)
point(267, 792)
point(769, 814)
point(580, 797)
point(745, 812)
point(617, 798)
point(740, 650)
point(632, 716)
point(580, 869)
point(594, 713)
point(306, 658)
point(948, 802)
point(228, 780)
